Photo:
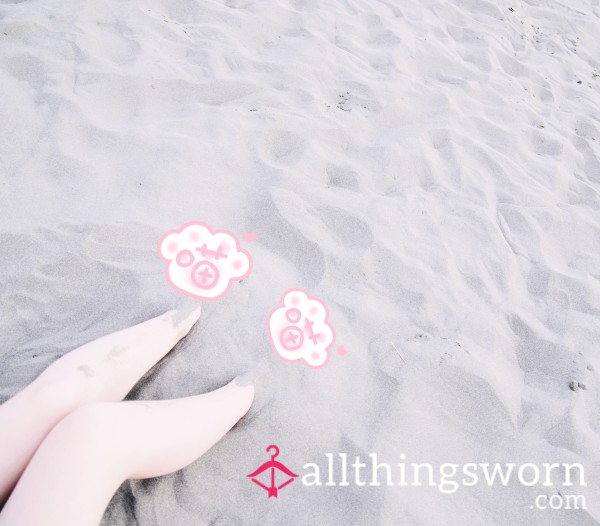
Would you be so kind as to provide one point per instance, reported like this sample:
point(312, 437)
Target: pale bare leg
point(104, 370)
point(85, 458)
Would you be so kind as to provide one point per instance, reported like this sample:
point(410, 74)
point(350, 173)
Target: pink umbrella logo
point(273, 465)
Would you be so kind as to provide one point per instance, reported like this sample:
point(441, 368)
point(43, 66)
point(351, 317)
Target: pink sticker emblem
point(299, 329)
point(201, 262)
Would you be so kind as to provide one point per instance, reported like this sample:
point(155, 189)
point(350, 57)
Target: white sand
point(430, 169)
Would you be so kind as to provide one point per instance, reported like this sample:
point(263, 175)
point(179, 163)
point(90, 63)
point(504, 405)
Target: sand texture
point(430, 169)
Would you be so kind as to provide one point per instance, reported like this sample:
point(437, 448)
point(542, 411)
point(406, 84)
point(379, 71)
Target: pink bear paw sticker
point(299, 330)
point(201, 262)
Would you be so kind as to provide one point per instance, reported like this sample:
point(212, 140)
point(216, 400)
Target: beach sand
point(429, 169)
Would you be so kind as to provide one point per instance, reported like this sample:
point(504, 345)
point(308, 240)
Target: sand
point(429, 169)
